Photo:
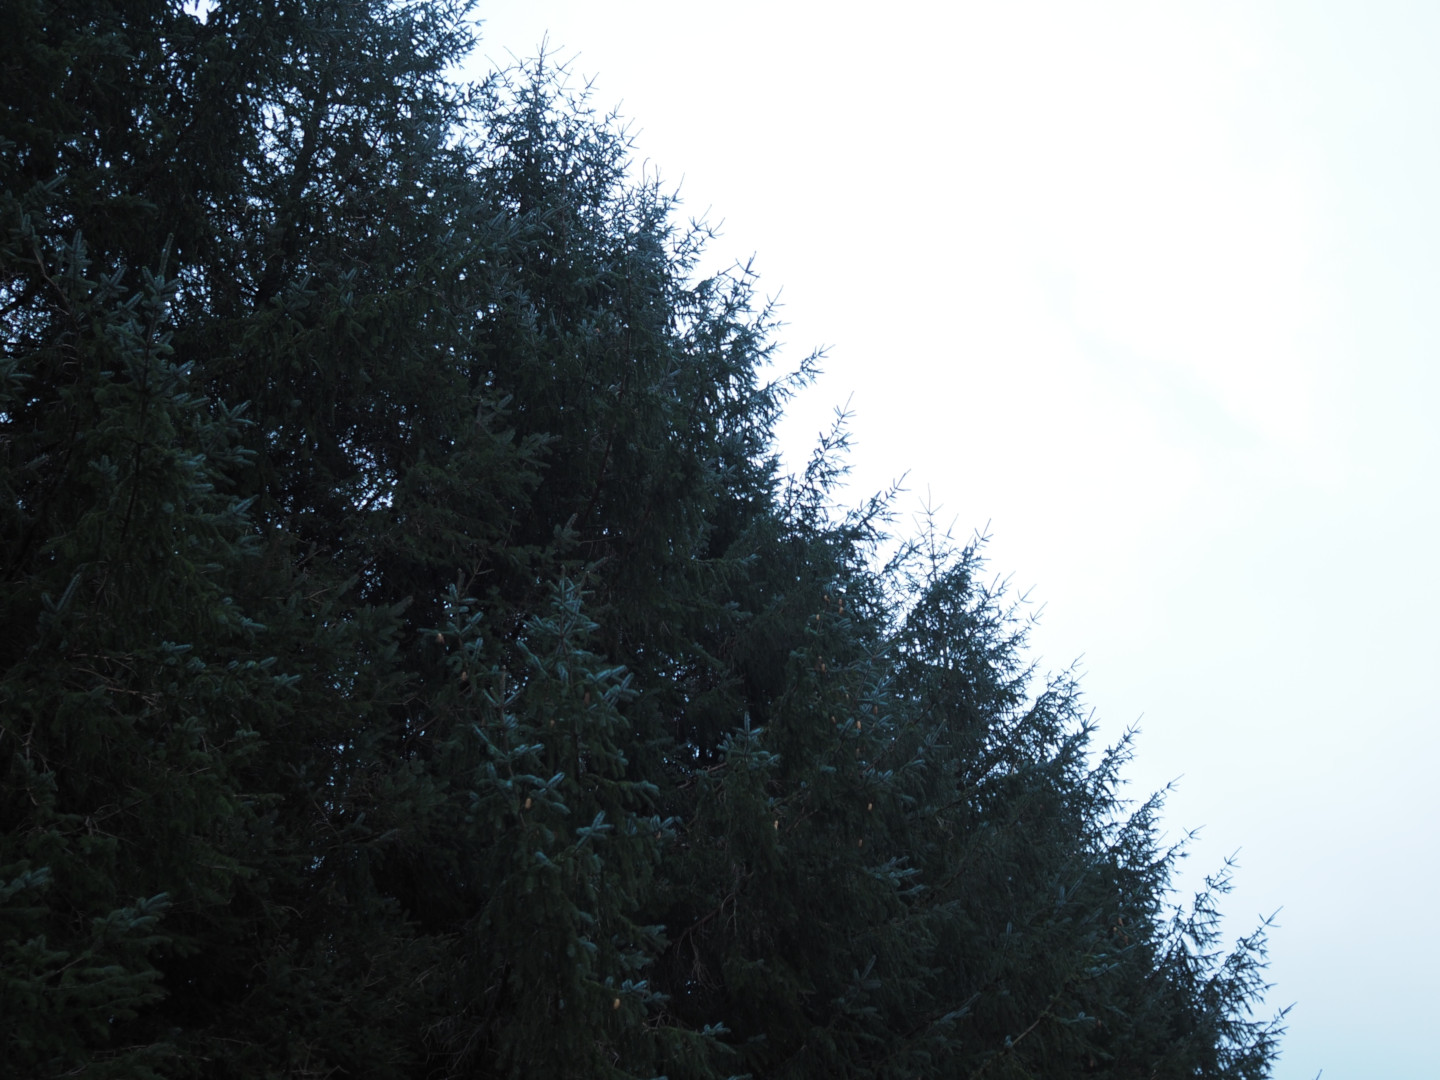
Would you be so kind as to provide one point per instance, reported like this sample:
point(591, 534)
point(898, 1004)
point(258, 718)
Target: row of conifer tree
point(413, 661)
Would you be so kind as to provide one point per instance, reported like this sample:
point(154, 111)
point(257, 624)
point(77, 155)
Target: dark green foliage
point(412, 663)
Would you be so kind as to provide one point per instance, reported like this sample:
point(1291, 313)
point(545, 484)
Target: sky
point(1148, 292)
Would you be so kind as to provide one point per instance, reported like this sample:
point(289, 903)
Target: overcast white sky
point(1151, 288)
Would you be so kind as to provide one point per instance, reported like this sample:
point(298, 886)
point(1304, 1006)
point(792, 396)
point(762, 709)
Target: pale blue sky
point(1152, 288)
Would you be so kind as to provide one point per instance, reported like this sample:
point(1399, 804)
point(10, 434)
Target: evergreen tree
point(412, 662)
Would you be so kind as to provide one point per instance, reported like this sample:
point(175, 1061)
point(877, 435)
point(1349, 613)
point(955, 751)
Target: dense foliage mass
point(412, 662)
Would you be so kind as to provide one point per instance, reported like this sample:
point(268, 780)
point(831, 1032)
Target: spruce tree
point(413, 662)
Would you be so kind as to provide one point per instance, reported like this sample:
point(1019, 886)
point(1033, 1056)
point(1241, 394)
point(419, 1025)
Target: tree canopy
point(414, 661)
